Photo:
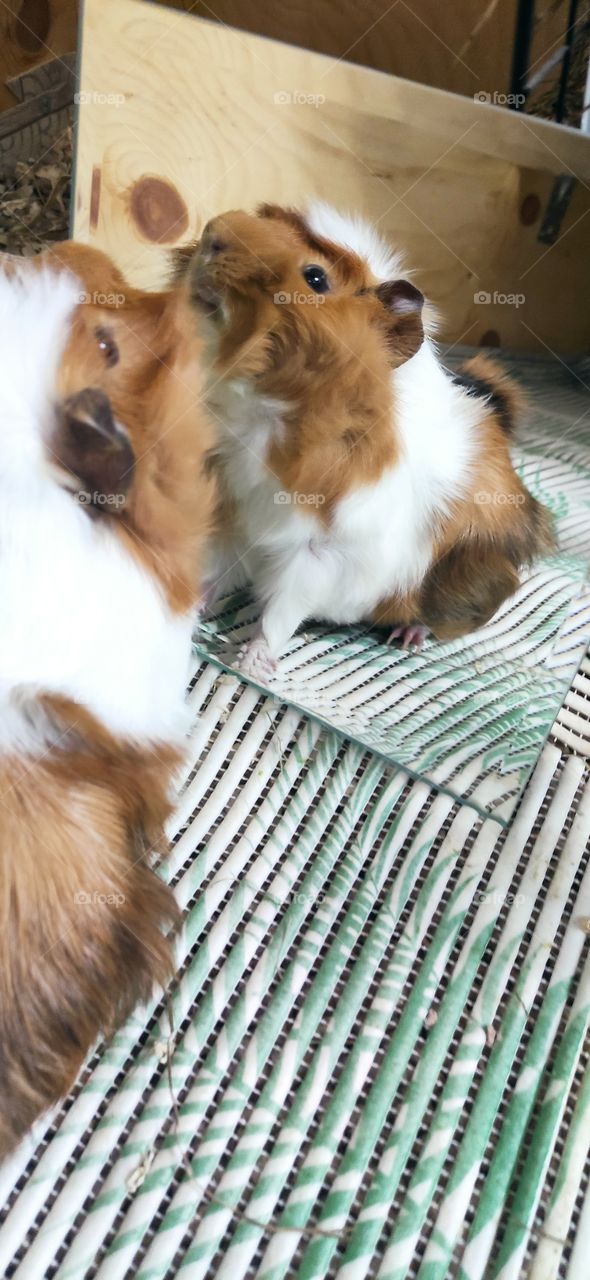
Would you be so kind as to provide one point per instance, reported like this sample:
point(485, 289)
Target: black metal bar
point(567, 58)
point(522, 52)
point(559, 200)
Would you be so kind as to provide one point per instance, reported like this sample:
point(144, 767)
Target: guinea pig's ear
point(403, 304)
point(97, 453)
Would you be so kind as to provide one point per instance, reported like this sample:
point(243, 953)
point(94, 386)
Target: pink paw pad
point(255, 660)
point(411, 637)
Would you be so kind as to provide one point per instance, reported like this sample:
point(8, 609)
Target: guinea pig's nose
point(91, 409)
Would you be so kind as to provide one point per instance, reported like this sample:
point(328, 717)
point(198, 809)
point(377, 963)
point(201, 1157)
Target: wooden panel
point(33, 31)
point(429, 41)
point(184, 118)
point(463, 47)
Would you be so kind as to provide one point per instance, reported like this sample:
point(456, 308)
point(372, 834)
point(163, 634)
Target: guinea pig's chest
point(249, 425)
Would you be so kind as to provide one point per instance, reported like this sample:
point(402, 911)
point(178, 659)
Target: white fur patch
point(389, 524)
point(80, 616)
point(353, 232)
point(268, 522)
point(35, 307)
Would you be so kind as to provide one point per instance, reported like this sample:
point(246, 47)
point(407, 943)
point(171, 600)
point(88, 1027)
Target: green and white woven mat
point(374, 1059)
point(380, 1033)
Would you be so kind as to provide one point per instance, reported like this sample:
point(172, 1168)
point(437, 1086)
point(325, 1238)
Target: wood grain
point(213, 119)
point(463, 47)
point(421, 40)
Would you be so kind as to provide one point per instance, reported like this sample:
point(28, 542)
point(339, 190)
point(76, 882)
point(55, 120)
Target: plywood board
point(182, 118)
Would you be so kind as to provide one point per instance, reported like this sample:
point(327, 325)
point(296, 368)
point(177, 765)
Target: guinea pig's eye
point(108, 346)
point(316, 278)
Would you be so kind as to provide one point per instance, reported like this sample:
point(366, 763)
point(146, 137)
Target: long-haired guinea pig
point(104, 506)
point(361, 480)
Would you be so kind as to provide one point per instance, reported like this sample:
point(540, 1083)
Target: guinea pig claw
point(409, 637)
point(255, 660)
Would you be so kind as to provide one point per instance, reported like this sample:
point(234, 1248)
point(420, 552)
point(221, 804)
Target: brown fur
point(331, 360)
point(485, 377)
point(81, 912)
point(84, 814)
point(154, 390)
point(330, 356)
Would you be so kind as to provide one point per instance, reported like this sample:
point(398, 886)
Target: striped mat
point(374, 1058)
point(372, 1061)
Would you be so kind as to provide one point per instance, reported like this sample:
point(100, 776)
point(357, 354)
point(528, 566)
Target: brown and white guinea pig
point(104, 508)
point(362, 481)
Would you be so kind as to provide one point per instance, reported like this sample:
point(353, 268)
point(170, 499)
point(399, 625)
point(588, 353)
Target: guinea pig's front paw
point(255, 660)
point(210, 593)
point(411, 637)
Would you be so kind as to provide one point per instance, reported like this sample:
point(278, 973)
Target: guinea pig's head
point(114, 375)
point(268, 285)
point(112, 379)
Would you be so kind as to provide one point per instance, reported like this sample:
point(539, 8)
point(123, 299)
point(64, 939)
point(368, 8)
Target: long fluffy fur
point(82, 913)
point(91, 705)
point(485, 378)
point(365, 481)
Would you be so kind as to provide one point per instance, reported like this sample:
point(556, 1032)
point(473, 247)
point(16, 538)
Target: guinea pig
point(360, 479)
point(105, 504)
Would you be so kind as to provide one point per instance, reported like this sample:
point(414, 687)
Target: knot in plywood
point(158, 210)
